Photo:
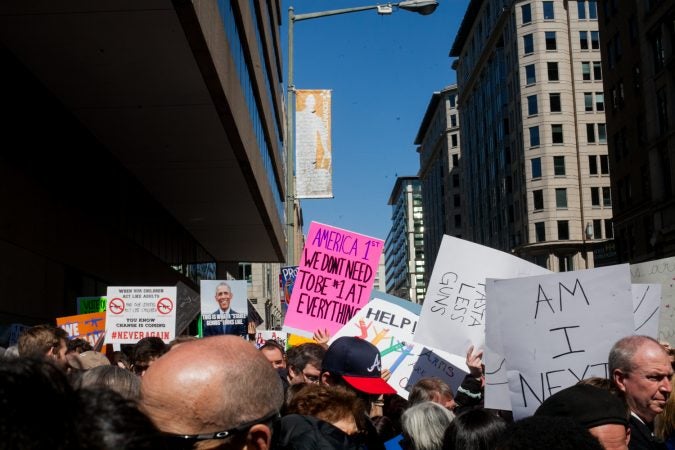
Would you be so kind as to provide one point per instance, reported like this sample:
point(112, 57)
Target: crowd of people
point(222, 392)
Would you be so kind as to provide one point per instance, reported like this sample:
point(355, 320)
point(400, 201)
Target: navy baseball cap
point(358, 362)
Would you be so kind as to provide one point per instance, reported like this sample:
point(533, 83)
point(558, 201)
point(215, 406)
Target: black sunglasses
point(191, 438)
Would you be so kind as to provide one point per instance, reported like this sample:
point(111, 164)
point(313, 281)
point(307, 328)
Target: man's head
point(146, 351)
point(640, 368)
point(223, 296)
point(432, 390)
point(304, 363)
point(604, 414)
point(274, 353)
point(217, 384)
point(356, 364)
point(44, 341)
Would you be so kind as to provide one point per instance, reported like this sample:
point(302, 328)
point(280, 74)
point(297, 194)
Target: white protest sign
point(262, 336)
point(661, 271)
point(497, 394)
point(453, 313)
point(558, 329)
point(134, 313)
point(646, 305)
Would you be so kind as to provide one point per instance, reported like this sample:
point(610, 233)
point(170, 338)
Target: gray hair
point(624, 350)
point(425, 424)
point(122, 381)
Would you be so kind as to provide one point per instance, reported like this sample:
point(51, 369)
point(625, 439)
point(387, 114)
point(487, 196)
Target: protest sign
point(497, 394)
point(263, 336)
point(288, 275)
point(85, 326)
point(87, 305)
point(15, 331)
point(333, 281)
point(646, 305)
point(661, 271)
point(137, 312)
point(431, 363)
point(224, 307)
point(558, 329)
point(453, 313)
point(294, 340)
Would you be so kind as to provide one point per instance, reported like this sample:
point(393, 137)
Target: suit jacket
point(235, 329)
point(641, 437)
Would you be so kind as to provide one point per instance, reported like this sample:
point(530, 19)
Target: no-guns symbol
point(116, 306)
point(164, 305)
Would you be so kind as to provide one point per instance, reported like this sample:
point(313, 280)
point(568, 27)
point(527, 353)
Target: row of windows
point(547, 9)
point(559, 169)
point(606, 197)
point(549, 39)
point(594, 40)
point(564, 230)
point(555, 105)
point(561, 198)
point(556, 135)
point(590, 70)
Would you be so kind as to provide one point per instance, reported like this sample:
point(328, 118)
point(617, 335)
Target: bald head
point(210, 385)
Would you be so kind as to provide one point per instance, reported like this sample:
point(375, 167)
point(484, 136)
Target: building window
point(662, 110)
point(552, 71)
point(592, 9)
point(590, 133)
point(599, 101)
point(456, 200)
point(565, 263)
point(586, 70)
point(530, 74)
point(559, 166)
point(455, 180)
point(453, 140)
point(534, 136)
point(581, 9)
point(536, 167)
point(597, 229)
point(538, 197)
point(563, 230)
point(583, 40)
point(557, 133)
point(609, 229)
point(550, 40)
point(554, 100)
point(602, 133)
point(588, 101)
point(595, 40)
point(532, 105)
point(527, 13)
point(540, 231)
point(606, 197)
point(453, 120)
point(549, 13)
point(597, 70)
point(453, 100)
point(592, 164)
point(455, 160)
point(561, 198)
point(528, 44)
point(604, 164)
point(595, 196)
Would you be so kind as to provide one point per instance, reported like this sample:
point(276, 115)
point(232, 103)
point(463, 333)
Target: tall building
point(438, 144)
point(534, 139)
point(404, 247)
point(638, 46)
point(144, 147)
point(264, 291)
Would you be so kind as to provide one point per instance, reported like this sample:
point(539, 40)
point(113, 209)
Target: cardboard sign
point(661, 271)
point(136, 312)
point(334, 279)
point(87, 305)
point(453, 313)
point(228, 294)
point(646, 306)
point(279, 337)
point(85, 326)
point(558, 329)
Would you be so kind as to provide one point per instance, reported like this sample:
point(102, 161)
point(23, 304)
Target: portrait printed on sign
point(224, 307)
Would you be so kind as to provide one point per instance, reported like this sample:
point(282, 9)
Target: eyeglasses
point(190, 438)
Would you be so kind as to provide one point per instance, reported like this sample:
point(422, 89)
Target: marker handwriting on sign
point(337, 242)
point(542, 297)
point(548, 383)
point(465, 302)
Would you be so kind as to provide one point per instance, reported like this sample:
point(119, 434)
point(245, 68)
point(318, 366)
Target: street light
point(423, 7)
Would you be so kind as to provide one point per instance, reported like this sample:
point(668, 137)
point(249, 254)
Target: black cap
point(588, 405)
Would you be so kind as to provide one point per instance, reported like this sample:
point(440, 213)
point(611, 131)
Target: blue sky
point(382, 71)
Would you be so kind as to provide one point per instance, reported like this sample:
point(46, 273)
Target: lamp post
point(423, 7)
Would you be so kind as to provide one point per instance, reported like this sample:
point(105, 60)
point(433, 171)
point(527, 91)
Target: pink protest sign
point(336, 274)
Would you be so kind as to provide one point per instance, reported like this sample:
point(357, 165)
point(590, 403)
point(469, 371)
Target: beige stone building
point(534, 139)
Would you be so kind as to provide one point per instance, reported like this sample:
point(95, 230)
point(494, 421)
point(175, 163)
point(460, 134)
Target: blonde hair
point(664, 424)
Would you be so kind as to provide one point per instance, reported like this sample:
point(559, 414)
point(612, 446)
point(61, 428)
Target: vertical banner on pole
point(313, 151)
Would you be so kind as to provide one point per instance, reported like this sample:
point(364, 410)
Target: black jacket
point(298, 432)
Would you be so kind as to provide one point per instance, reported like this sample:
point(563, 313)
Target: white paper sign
point(558, 329)
point(133, 313)
point(453, 313)
point(661, 271)
point(646, 305)
point(496, 382)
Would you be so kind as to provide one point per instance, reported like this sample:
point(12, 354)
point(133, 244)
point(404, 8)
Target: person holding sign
point(640, 368)
point(228, 321)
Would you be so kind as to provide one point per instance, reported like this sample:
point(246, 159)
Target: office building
point(637, 41)
point(144, 147)
point(534, 138)
point(404, 246)
point(438, 144)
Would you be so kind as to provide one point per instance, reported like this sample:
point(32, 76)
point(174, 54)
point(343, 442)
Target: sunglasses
point(188, 439)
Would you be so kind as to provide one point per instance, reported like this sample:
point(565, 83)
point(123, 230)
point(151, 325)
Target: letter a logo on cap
point(376, 364)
